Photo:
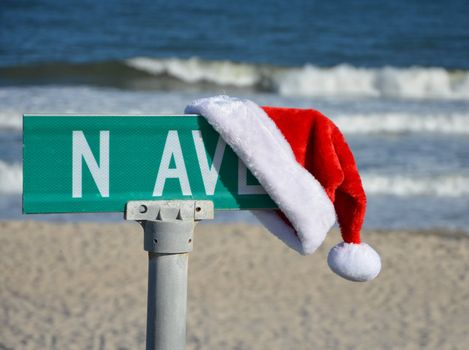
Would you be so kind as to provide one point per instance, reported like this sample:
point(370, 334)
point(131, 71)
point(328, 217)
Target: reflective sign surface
point(98, 163)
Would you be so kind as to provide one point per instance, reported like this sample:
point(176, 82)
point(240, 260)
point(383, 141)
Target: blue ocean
point(393, 75)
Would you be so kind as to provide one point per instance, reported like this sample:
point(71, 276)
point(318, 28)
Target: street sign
point(93, 163)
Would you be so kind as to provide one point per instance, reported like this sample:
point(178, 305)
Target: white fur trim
point(259, 143)
point(355, 262)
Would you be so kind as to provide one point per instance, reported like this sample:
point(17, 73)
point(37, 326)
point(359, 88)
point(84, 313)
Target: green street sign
point(91, 163)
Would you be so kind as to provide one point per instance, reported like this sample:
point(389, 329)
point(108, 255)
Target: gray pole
point(168, 236)
point(167, 282)
point(167, 300)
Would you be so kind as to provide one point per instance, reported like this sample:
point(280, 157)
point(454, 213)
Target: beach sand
point(83, 286)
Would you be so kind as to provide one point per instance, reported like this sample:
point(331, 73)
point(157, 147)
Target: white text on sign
point(81, 151)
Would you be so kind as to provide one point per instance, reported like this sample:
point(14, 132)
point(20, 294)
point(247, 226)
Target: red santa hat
point(304, 163)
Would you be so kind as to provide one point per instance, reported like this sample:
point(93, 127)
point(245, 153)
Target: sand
point(83, 286)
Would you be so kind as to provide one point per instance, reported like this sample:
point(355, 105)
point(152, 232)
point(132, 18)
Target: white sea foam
point(451, 120)
point(310, 81)
point(16, 101)
point(11, 178)
point(345, 80)
point(450, 123)
point(194, 70)
point(349, 123)
point(10, 119)
point(441, 186)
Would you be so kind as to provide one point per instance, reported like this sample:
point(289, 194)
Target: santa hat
point(304, 163)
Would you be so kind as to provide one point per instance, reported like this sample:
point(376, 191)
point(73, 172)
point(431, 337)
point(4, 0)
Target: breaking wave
point(194, 70)
point(170, 74)
point(310, 80)
point(344, 80)
point(392, 123)
point(440, 186)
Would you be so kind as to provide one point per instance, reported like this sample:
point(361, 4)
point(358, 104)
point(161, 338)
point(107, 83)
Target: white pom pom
point(355, 262)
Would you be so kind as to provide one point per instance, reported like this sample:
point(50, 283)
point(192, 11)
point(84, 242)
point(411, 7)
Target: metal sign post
point(166, 172)
point(168, 228)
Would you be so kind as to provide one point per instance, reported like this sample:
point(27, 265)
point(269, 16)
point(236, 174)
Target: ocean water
point(394, 77)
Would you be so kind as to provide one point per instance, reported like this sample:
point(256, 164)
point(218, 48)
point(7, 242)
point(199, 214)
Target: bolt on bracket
point(172, 210)
point(168, 226)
